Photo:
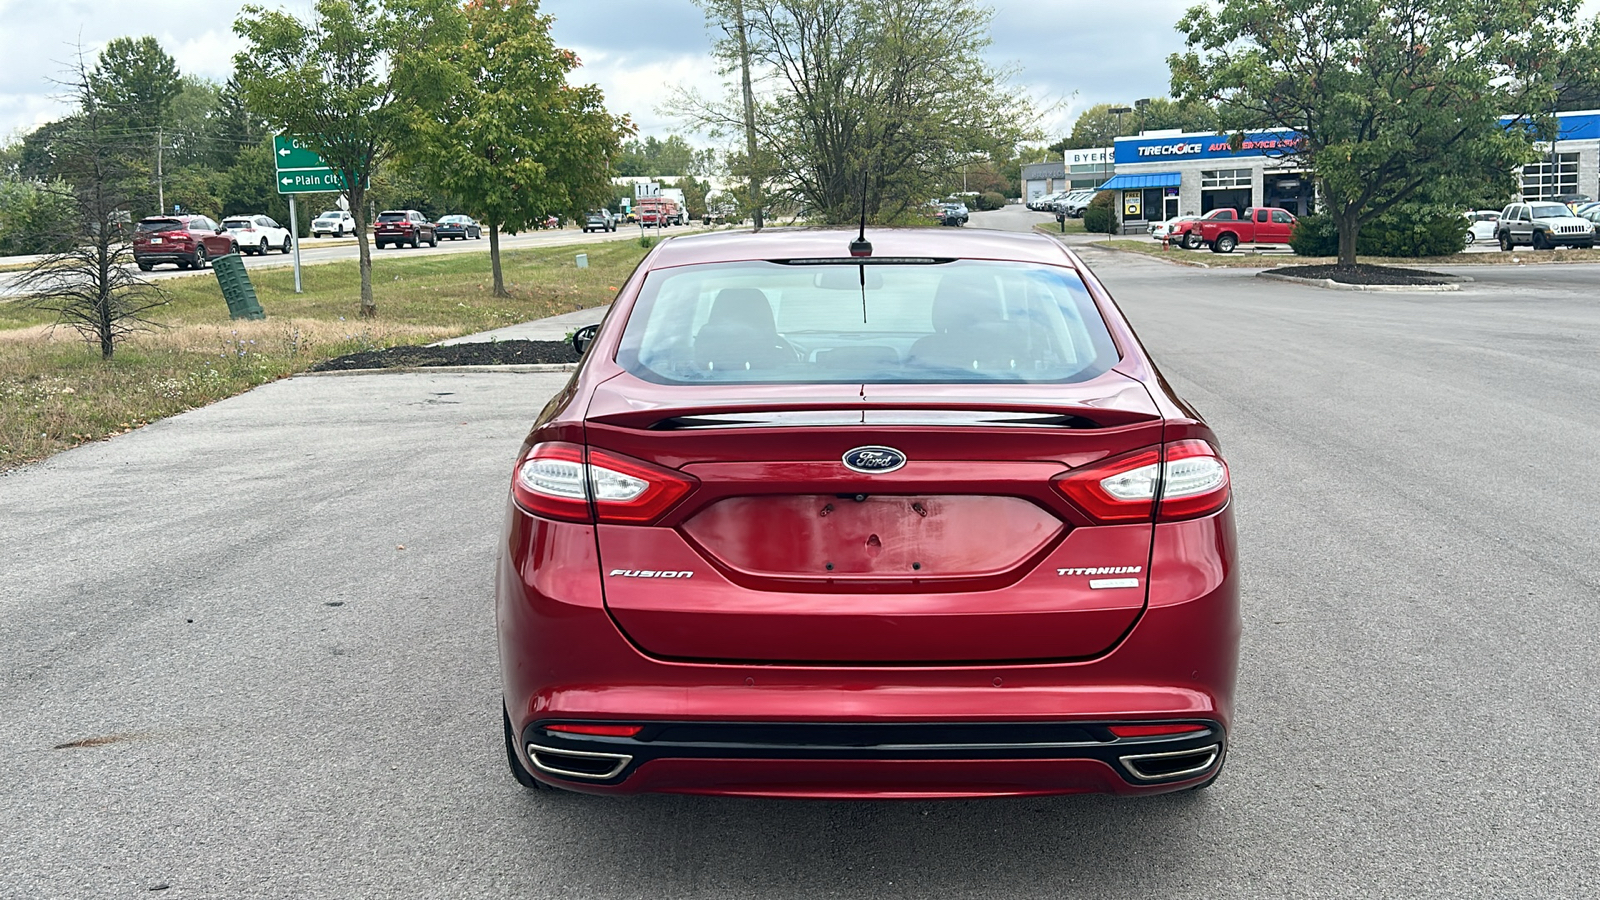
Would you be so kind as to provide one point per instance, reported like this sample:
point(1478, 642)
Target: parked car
point(1255, 225)
point(458, 228)
point(1047, 202)
point(187, 241)
point(1575, 202)
point(333, 222)
point(599, 220)
point(551, 221)
point(1074, 203)
point(403, 226)
point(953, 214)
point(258, 234)
point(1592, 214)
point(1543, 226)
point(1481, 225)
point(1172, 229)
point(759, 550)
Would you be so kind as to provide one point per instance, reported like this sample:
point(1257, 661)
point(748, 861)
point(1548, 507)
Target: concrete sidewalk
point(555, 328)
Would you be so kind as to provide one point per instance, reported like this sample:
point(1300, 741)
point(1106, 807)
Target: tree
point(1392, 100)
point(653, 158)
point(348, 83)
point(513, 140)
point(1098, 126)
point(136, 81)
point(896, 93)
point(91, 285)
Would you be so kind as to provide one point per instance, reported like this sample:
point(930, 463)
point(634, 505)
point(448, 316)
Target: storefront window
point(1217, 179)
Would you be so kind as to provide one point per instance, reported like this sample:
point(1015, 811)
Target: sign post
point(294, 229)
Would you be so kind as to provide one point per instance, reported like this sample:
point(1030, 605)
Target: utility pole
point(749, 114)
point(161, 195)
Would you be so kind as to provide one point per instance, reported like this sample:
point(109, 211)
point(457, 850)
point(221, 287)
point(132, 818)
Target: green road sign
point(309, 181)
point(291, 153)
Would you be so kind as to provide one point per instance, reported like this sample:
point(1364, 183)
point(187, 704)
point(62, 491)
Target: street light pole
point(1119, 110)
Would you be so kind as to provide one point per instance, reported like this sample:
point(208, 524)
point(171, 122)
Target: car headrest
point(747, 307)
point(963, 301)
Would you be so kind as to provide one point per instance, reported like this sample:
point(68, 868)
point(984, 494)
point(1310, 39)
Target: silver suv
point(1543, 226)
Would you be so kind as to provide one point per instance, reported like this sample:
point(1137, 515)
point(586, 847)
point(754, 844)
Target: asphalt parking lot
point(261, 636)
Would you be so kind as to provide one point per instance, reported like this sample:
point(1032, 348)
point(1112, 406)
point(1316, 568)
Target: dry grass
point(56, 392)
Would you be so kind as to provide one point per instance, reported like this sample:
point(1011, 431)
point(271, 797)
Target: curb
point(1454, 284)
point(527, 368)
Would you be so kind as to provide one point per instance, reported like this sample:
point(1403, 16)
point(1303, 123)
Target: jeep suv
point(1543, 226)
point(403, 226)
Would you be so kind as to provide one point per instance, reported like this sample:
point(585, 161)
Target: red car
point(907, 516)
point(187, 241)
point(403, 227)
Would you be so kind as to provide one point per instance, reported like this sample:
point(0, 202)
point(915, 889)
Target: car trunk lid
point(783, 553)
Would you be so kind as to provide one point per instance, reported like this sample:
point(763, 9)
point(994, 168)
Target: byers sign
point(1207, 146)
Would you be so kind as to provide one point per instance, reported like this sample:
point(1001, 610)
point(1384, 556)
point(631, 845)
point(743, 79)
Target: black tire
point(145, 267)
point(1586, 246)
point(1191, 241)
point(262, 250)
point(1505, 241)
point(1540, 242)
point(200, 260)
point(433, 241)
point(381, 244)
point(1470, 239)
point(518, 770)
point(288, 246)
point(416, 241)
point(1224, 243)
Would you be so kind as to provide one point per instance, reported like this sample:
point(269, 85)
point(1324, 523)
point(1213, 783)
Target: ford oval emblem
point(874, 460)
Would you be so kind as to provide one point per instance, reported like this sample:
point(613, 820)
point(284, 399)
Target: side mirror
point(220, 229)
point(583, 337)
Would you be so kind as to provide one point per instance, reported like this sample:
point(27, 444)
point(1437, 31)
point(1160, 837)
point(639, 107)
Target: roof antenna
point(861, 246)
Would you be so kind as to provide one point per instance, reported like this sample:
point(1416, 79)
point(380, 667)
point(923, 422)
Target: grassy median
point(56, 392)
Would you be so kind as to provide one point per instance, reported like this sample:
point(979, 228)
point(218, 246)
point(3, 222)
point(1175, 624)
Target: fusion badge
point(874, 460)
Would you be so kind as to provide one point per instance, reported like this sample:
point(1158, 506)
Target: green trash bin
point(236, 287)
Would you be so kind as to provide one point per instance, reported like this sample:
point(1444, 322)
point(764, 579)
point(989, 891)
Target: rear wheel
point(518, 770)
point(416, 241)
point(262, 250)
point(145, 267)
point(1224, 244)
point(1505, 241)
point(433, 241)
point(1470, 239)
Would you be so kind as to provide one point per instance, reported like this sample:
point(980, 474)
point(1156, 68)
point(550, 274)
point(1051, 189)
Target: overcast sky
point(1069, 54)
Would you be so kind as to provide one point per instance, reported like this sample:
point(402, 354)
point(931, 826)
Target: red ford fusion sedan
point(903, 515)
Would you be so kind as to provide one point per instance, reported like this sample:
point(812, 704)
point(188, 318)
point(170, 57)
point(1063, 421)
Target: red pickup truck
point(1224, 230)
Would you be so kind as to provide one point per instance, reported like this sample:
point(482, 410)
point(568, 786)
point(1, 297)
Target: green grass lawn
point(56, 392)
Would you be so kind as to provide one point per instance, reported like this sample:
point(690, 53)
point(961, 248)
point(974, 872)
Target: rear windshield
point(953, 322)
point(236, 223)
point(391, 217)
point(160, 225)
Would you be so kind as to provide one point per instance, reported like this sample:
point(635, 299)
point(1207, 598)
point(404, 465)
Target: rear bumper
point(163, 256)
point(830, 731)
point(873, 760)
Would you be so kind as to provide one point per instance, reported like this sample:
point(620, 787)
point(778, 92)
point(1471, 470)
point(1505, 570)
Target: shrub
point(1409, 231)
point(1098, 220)
point(1104, 200)
point(1315, 235)
point(989, 200)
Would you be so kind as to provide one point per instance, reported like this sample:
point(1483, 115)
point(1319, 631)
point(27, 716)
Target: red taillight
point(1193, 482)
point(554, 481)
point(1132, 731)
point(600, 730)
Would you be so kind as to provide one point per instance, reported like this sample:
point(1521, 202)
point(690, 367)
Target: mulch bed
point(486, 353)
point(1365, 274)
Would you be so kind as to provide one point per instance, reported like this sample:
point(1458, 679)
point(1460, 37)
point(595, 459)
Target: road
point(324, 250)
point(269, 624)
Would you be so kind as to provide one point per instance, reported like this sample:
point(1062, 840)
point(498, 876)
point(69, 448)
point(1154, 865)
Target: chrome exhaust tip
point(1171, 765)
point(580, 764)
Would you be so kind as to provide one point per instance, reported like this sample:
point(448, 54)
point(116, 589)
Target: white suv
point(258, 234)
point(334, 221)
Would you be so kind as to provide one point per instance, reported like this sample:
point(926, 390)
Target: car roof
point(834, 243)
